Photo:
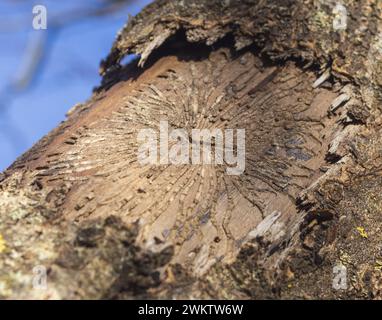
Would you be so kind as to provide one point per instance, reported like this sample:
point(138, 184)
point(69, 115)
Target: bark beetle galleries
point(287, 133)
point(179, 223)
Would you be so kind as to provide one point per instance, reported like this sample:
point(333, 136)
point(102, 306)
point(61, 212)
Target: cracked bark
point(308, 97)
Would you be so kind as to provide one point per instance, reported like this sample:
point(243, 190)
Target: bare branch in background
point(37, 52)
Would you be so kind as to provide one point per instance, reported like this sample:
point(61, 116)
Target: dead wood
point(308, 96)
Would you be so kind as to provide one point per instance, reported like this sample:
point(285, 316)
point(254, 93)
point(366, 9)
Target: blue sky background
point(68, 73)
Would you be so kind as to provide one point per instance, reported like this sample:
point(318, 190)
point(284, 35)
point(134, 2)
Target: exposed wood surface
point(105, 226)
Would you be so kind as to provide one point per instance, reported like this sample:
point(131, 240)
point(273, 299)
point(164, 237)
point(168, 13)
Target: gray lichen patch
point(101, 255)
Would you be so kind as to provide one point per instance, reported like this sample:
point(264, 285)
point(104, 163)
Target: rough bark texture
point(105, 226)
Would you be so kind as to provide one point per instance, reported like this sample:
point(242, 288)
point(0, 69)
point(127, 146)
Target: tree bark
point(80, 205)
